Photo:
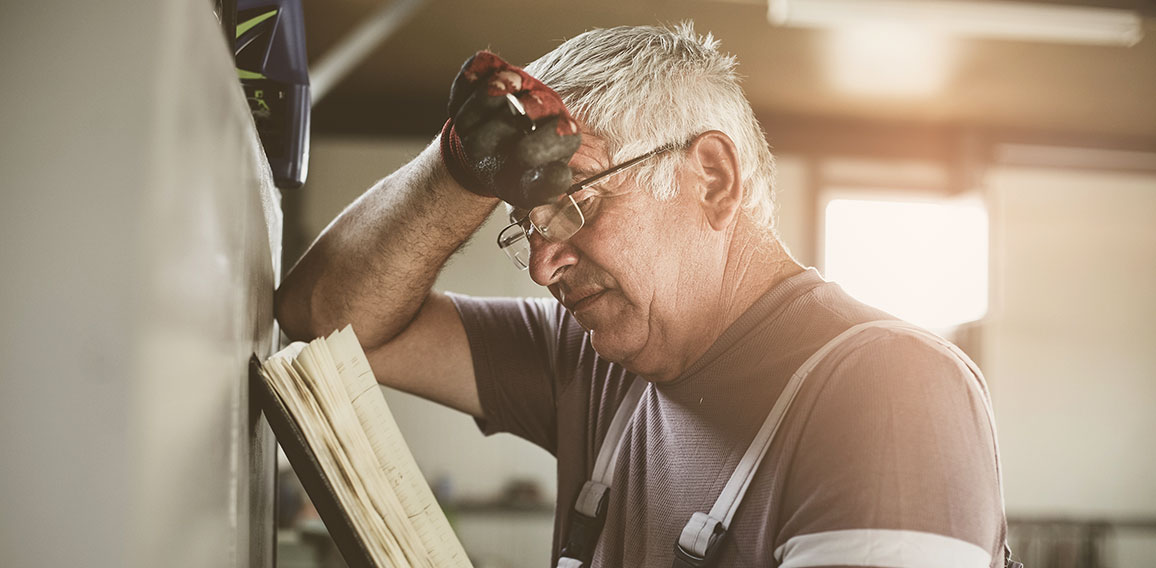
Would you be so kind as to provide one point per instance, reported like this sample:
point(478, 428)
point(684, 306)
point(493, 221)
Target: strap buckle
point(700, 542)
point(586, 520)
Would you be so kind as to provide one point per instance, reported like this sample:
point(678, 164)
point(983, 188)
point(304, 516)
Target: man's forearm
point(374, 265)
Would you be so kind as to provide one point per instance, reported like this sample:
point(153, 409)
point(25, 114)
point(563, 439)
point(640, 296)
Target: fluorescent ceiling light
point(994, 19)
point(889, 61)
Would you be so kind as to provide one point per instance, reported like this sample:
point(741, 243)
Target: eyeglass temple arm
point(624, 165)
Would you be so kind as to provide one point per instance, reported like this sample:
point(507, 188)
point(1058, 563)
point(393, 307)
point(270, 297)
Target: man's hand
point(491, 148)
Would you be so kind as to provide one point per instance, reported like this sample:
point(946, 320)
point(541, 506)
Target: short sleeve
point(896, 462)
point(514, 345)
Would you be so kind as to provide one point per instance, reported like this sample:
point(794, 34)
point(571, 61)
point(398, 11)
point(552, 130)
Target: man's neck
point(754, 262)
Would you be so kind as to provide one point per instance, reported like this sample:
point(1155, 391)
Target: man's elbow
point(292, 313)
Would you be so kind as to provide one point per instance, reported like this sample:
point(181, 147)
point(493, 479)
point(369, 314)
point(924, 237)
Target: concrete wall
point(139, 235)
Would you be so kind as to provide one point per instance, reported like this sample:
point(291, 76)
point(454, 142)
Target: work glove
point(496, 149)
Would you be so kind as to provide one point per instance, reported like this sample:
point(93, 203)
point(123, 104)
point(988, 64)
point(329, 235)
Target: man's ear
point(716, 163)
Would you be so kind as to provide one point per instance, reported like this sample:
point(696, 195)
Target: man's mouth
point(577, 302)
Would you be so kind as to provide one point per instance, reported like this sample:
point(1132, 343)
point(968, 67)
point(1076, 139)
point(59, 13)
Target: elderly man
point(708, 399)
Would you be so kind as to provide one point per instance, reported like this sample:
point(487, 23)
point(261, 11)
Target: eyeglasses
point(558, 221)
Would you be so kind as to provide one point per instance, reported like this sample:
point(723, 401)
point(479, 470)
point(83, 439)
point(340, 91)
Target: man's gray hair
point(639, 88)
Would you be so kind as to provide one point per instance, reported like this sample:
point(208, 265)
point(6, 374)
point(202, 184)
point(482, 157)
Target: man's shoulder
point(893, 447)
point(894, 371)
point(896, 401)
point(892, 353)
point(821, 311)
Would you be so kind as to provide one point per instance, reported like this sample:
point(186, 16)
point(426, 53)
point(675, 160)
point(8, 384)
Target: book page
point(329, 388)
point(293, 389)
point(393, 455)
point(376, 504)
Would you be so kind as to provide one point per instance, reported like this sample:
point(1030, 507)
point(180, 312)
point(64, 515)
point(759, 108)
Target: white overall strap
point(607, 460)
point(703, 529)
point(589, 511)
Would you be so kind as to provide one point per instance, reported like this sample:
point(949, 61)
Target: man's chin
point(610, 346)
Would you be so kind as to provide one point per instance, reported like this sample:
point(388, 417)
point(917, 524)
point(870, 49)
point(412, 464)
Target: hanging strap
point(700, 540)
point(589, 513)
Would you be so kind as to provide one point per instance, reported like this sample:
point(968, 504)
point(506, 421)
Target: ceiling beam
point(332, 67)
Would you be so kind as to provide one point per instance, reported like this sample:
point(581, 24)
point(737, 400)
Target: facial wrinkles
point(651, 332)
point(660, 355)
point(581, 277)
point(664, 320)
point(633, 328)
point(683, 307)
point(590, 158)
point(587, 275)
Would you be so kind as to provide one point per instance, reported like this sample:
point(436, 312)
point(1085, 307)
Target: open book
point(333, 422)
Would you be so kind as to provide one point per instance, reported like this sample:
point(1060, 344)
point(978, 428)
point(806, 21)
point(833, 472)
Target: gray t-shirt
point(886, 457)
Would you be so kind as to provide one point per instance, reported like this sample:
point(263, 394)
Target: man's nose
point(549, 260)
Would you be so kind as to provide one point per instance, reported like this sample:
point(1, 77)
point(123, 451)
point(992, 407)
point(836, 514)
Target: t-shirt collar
point(762, 312)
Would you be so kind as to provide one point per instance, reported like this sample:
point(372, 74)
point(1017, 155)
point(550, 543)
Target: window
point(923, 260)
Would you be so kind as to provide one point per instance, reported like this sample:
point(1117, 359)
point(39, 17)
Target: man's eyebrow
point(583, 173)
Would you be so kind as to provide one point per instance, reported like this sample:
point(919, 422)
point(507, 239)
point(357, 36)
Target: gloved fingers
point(485, 123)
point(541, 185)
point(477, 68)
point(461, 89)
point(478, 109)
point(488, 74)
point(491, 137)
point(479, 90)
point(509, 79)
point(517, 152)
point(542, 103)
point(544, 144)
point(500, 78)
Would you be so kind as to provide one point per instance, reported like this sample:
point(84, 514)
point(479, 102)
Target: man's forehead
point(591, 157)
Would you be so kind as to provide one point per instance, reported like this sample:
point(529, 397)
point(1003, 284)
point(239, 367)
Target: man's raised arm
point(374, 266)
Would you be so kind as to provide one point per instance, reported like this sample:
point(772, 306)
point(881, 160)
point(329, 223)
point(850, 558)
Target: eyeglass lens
point(512, 240)
point(557, 221)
